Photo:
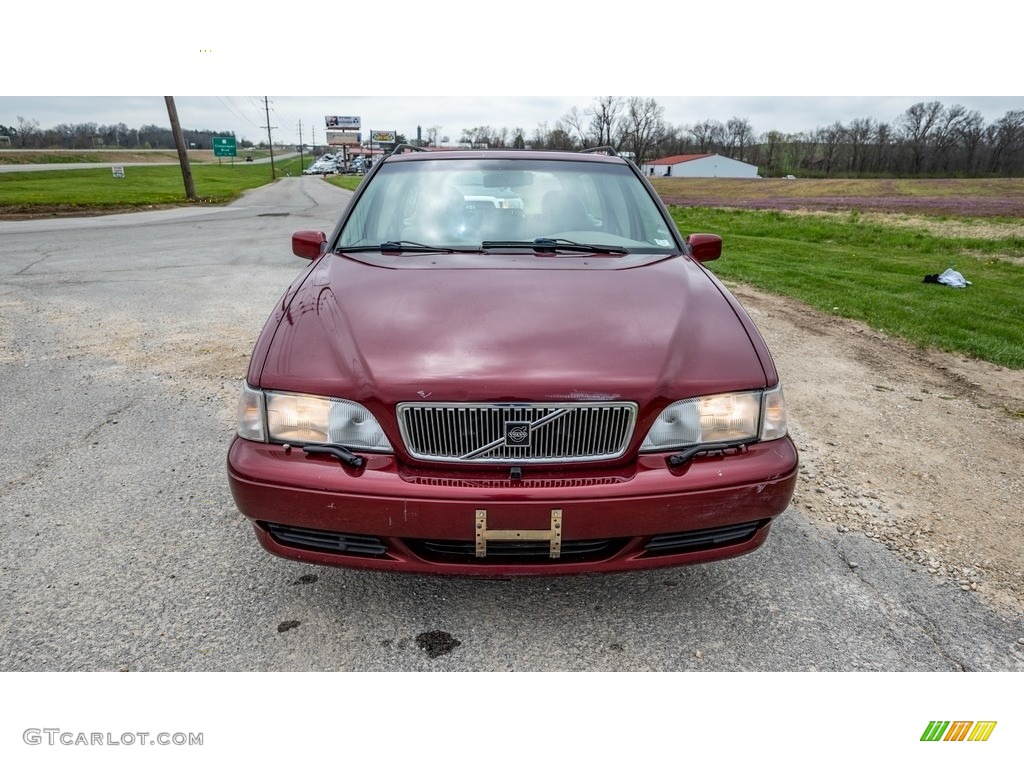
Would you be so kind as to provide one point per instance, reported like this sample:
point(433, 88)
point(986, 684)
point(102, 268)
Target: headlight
point(294, 418)
point(734, 417)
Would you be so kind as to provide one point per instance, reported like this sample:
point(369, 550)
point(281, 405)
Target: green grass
point(872, 271)
point(145, 185)
point(346, 182)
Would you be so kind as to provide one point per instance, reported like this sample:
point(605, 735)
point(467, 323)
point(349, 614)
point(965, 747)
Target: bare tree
point(481, 136)
point(916, 126)
point(773, 141)
point(643, 127)
point(972, 134)
point(604, 118)
point(1006, 137)
point(26, 129)
point(884, 145)
point(858, 133)
point(576, 121)
point(540, 136)
point(707, 135)
point(946, 136)
point(831, 141)
point(561, 138)
point(738, 135)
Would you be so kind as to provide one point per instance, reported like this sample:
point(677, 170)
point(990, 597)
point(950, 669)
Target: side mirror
point(308, 244)
point(705, 247)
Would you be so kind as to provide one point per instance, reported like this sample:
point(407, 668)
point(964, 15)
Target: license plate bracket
point(553, 534)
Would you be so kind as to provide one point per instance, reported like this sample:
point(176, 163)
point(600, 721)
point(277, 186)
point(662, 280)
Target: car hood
point(439, 328)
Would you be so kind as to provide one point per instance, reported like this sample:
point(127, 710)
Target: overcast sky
point(791, 65)
point(247, 117)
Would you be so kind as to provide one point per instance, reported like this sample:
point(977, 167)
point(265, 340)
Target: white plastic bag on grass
point(953, 279)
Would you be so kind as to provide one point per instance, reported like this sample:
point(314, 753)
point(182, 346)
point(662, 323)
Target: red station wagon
point(509, 363)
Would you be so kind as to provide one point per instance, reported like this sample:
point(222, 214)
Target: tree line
point(26, 134)
point(928, 139)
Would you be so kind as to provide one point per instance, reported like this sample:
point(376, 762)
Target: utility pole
point(270, 140)
point(302, 162)
point(179, 142)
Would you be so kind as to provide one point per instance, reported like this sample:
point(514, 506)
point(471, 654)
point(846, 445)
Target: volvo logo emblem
point(517, 434)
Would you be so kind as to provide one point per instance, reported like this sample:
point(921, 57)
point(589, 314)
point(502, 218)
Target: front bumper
point(387, 516)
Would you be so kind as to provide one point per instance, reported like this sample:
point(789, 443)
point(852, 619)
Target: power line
point(236, 112)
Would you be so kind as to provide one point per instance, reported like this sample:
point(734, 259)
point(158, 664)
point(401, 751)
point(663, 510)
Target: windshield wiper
point(554, 244)
point(406, 246)
point(340, 452)
point(400, 246)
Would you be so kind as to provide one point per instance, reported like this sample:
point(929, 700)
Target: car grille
point(516, 433)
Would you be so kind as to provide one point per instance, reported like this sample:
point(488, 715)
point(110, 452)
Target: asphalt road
point(122, 342)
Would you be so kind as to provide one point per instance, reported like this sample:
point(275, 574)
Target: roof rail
point(403, 147)
point(606, 150)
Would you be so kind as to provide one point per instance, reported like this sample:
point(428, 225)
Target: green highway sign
point(224, 146)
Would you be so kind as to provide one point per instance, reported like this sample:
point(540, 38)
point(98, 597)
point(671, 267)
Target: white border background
point(790, 47)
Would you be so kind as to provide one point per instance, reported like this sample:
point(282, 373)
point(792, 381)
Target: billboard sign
point(382, 137)
point(343, 138)
point(343, 122)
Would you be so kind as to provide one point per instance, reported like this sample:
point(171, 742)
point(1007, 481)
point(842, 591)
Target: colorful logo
point(958, 730)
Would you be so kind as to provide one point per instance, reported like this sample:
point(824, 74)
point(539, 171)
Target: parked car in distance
point(555, 386)
point(321, 166)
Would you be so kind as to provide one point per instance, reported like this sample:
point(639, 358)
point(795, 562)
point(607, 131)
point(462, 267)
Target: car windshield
point(464, 203)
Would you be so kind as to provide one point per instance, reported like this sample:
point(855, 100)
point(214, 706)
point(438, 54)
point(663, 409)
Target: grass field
point(109, 156)
point(855, 248)
point(871, 268)
point(96, 190)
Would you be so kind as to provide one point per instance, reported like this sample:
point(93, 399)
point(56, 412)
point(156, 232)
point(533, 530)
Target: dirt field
point(936, 197)
point(918, 450)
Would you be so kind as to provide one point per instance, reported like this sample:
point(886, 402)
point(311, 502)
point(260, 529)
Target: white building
point(707, 166)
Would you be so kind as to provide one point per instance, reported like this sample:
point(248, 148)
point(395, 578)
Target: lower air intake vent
point(524, 552)
point(326, 541)
point(709, 538)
